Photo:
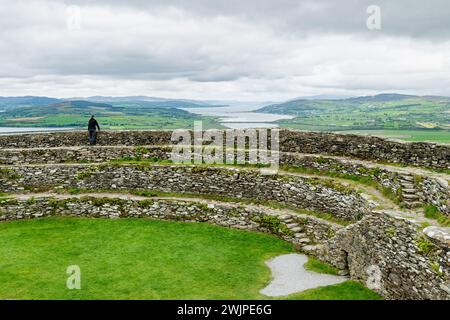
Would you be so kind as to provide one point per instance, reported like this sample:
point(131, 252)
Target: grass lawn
point(143, 259)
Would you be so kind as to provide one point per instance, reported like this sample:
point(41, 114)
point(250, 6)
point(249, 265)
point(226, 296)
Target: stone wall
point(367, 148)
point(411, 189)
point(412, 264)
point(421, 190)
point(306, 193)
point(437, 193)
point(394, 256)
point(79, 155)
point(81, 138)
point(362, 147)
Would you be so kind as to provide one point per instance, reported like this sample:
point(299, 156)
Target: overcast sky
point(259, 50)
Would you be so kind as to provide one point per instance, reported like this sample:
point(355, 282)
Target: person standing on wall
point(92, 126)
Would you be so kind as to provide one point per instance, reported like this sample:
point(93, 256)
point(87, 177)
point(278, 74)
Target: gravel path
point(289, 276)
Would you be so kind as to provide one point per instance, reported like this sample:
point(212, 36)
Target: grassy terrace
point(144, 259)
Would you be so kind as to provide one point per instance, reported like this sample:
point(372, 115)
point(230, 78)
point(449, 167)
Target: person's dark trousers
point(92, 137)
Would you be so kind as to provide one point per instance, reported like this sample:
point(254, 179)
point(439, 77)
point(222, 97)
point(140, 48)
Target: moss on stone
point(391, 232)
point(31, 201)
point(425, 246)
point(9, 174)
point(145, 203)
point(8, 202)
point(273, 224)
point(436, 267)
point(92, 170)
point(99, 202)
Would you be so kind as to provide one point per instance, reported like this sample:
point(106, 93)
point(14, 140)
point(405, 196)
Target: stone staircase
point(410, 195)
point(301, 240)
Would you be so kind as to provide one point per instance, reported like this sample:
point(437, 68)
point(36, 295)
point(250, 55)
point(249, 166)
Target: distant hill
point(383, 111)
point(61, 107)
point(49, 112)
point(384, 97)
point(135, 100)
point(27, 100)
point(152, 101)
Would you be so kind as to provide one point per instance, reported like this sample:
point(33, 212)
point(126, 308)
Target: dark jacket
point(93, 124)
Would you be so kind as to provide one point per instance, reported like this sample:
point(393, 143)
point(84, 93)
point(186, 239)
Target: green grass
point(142, 259)
point(317, 266)
point(432, 212)
point(349, 290)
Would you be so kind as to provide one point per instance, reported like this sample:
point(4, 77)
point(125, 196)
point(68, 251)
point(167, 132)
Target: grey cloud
point(412, 18)
point(266, 48)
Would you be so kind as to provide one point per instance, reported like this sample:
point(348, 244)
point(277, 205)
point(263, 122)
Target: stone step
point(292, 225)
point(299, 235)
point(409, 191)
point(310, 248)
point(414, 204)
point(303, 240)
point(410, 197)
point(296, 229)
point(343, 272)
point(406, 178)
point(407, 185)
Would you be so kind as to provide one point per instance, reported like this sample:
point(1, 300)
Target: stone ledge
point(438, 233)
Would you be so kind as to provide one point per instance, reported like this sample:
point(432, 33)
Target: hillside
point(391, 112)
point(48, 112)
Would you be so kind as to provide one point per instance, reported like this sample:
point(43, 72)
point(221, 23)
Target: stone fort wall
point(362, 147)
point(305, 193)
point(415, 191)
point(400, 258)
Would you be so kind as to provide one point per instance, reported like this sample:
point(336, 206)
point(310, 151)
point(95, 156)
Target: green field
point(409, 118)
point(119, 115)
point(117, 122)
point(143, 259)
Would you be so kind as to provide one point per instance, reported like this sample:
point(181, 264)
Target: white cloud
point(211, 52)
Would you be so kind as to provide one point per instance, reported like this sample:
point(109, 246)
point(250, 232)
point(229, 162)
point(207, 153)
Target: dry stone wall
point(414, 190)
point(394, 256)
point(312, 194)
point(436, 192)
point(80, 138)
point(367, 148)
point(361, 147)
point(79, 155)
